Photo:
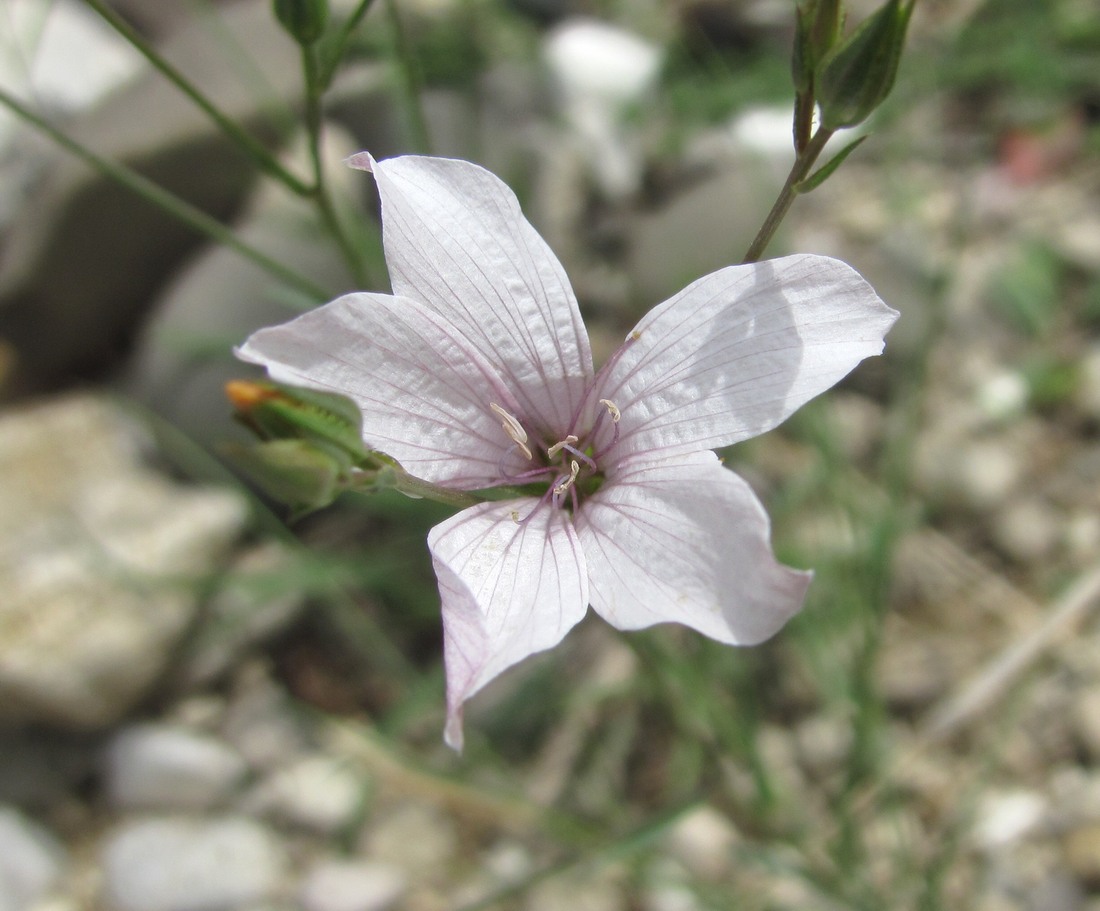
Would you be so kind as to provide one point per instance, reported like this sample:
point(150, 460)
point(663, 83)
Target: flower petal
point(456, 239)
point(686, 541)
point(513, 582)
point(738, 351)
point(424, 392)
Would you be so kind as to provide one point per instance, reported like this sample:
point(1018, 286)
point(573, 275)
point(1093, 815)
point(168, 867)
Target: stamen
point(514, 429)
point(612, 409)
point(574, 470)
point(558, 447)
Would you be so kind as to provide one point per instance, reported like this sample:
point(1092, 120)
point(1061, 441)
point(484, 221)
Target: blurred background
point(204, 708)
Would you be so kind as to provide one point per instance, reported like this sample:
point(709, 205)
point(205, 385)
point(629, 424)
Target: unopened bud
point(304, 19)
point(296, 473)
point(859, 73)
point(278, 412)
point(818, 24)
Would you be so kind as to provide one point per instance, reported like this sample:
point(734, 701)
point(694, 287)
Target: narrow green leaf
point(823, 173)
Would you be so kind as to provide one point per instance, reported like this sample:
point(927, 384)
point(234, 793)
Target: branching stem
point(800, 170)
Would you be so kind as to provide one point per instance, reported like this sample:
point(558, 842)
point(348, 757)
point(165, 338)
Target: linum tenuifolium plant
point(473, 383)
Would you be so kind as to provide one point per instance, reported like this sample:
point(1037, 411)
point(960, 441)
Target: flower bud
point(296, 473)
point(278, 412)
point(859, 73)
point(304, 19)
point(818, 24)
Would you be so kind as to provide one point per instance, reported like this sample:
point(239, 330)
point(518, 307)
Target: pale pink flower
point(477, 372)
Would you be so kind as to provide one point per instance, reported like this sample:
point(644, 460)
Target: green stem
point(336, 54)
point(181, 209)
point(410, 81)
point(251, 146)
point(319, 191)
point(799, 171)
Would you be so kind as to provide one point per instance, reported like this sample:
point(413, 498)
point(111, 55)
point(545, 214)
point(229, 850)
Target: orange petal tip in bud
point(244, 395)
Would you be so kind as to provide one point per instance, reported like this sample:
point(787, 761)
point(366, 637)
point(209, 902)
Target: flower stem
point(336, 53)
point(799, 171)
point(410, 81)
point(249, 144)
point(179, 208)
point(314, 87)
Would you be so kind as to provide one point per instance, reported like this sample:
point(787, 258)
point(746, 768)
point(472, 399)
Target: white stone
point(31, 861)
point(1003, 818)
point(163, 766)
point(593, 59)
point(321, 793)
point(352, 886)
point(180, 864)
point(1003, 395)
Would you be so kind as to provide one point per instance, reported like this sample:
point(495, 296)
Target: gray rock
point(169, 767)
point(257, 598)
point(95, 554)
point(352, 885)
point(261, 723)
point(69, 289)
point(178, 864)
point(31, 861)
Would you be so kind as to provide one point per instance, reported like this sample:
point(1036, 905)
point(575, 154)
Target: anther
point(612, 409)
point(514, 429)
point(558, 447)
point(574, 470)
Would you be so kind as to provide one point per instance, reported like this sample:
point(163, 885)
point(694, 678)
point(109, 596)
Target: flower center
point(569, 467)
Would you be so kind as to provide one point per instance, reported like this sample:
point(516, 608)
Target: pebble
point(1028, 529)
point(416, 838)
point(182, 864)
point(1007, 817)
point(320, 793)
point(31, 861)
point(352, 885)
point(164, 766)
point(703, 842)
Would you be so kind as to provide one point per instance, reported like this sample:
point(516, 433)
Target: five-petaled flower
point(476, 372)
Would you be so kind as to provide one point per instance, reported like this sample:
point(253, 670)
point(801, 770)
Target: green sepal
point(300, 474)
point(305, 20)
point(274, 411)
point(859, 73)
point(823, 173)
